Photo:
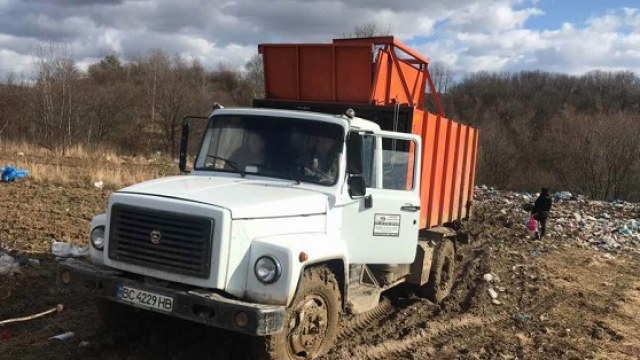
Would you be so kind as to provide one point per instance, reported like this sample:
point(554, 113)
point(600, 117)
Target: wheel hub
point(308, 326)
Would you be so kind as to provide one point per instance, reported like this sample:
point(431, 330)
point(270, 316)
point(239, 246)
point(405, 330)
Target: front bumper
point(196, 305)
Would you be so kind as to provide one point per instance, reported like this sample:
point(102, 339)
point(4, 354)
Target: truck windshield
point(280, 147)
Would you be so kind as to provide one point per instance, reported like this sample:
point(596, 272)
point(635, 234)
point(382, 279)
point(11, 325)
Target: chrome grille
point(161, 240)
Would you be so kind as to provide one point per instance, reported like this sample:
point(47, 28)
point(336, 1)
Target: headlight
point(267, 269)
point(97, 237)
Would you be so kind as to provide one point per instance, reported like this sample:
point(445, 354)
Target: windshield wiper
point(277, 171)
point(232, 164)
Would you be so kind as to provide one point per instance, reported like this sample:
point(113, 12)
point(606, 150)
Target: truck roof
point(355, 123)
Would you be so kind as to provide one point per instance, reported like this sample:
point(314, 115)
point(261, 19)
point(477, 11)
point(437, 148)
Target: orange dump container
point(383, 80)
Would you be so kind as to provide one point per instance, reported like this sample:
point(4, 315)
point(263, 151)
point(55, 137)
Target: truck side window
point(369, 173)
point(397, 164)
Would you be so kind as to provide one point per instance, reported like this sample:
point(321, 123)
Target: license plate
point(145, 299)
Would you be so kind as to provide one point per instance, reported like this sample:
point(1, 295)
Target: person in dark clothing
point(541, 209)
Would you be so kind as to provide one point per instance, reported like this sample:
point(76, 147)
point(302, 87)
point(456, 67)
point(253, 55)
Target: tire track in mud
point(437, 330)
point(361, 322)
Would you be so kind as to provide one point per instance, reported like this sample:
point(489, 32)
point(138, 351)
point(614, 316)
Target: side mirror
point(354, 154)
point(184, 143)
point(357, 186)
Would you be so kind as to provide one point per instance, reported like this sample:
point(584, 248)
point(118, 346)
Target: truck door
point(382, 227)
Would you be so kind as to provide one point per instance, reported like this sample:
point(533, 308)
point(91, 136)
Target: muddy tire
point(442, 273)
point(312, 323)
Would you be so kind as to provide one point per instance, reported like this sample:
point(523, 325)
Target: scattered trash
point(608, 257)
point(98, 184)
point(496, 302)
point(488, 277)
point(65, 336)
point(8, 265)
point(84, 343)
point(563, 195)
point(10, 173)
point(34, 262)
point(57, 308)
point(522, 318)
point(64, 249)
point(492, 293)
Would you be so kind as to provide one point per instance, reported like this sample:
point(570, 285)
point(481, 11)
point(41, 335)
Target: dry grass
point(81, 166)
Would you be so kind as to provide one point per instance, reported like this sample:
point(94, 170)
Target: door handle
point(412, 208)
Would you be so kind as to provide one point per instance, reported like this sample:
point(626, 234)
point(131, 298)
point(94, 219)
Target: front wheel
point(442, 273)
point(312, 322)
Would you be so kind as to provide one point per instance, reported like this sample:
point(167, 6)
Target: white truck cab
point(273, 193)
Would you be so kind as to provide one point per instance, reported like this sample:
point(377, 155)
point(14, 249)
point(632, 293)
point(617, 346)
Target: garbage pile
point(609, 226)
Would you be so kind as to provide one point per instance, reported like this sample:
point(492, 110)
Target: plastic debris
point(99, 184)
point(10, 173)
point(34, 262)
point(563, 195)
point(488, 277)
point(522, 318)
point(8, 265)
point(65, 336)
point(492, 293)
point(64, 249)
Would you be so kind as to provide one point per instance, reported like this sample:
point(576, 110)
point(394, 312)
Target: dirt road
point(556, 300)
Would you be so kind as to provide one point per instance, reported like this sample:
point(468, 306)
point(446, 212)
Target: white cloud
point(469, 35)
point(14, 63)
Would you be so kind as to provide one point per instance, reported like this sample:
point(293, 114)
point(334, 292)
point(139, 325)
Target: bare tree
point(595, 154)
point(442, 76)
point(369, 29)
point(254, 76)
point(55, 101)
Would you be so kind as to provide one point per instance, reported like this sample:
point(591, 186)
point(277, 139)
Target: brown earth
point(558, 301)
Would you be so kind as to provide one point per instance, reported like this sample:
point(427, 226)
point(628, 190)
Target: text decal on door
point(386, 225)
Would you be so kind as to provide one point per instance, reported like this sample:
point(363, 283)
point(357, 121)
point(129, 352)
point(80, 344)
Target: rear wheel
point(442, 272)
point(312, 322)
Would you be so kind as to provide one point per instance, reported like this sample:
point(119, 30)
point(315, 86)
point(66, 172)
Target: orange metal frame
point(382, 71)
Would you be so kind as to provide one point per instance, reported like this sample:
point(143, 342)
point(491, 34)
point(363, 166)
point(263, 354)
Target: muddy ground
point(557, 300)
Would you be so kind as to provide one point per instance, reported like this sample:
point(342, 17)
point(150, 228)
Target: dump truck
point(300, 211)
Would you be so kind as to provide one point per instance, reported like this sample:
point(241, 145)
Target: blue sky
point(557, 12)
point(568, 36)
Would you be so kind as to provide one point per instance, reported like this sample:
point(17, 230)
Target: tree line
point(576, 133)
point(134, 107)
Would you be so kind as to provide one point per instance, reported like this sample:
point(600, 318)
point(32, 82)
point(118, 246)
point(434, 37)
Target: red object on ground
point(532, 224)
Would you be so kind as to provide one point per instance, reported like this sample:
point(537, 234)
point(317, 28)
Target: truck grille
point(161, 240)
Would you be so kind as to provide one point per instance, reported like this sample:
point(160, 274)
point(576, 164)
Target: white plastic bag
point(8, 265)
point(63, 249)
